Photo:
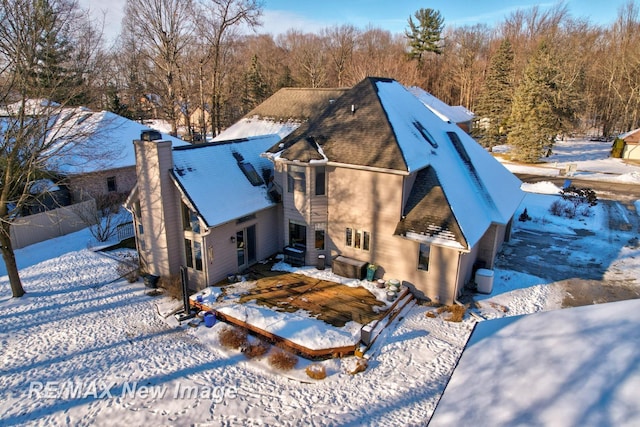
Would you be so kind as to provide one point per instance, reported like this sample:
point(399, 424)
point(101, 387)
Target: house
point(93, 159)
point(631, 142)
point(373, 176)
point(457, 114)
point(575, 366)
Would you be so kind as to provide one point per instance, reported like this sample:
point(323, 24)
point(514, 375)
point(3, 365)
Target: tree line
point(538, 71)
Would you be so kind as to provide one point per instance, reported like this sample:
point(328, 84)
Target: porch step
point(369, 333)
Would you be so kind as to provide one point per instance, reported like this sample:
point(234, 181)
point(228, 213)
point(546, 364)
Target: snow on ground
point(85, 347)
point(589, 158)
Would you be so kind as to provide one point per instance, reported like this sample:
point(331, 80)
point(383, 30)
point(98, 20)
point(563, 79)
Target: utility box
point(484, 280)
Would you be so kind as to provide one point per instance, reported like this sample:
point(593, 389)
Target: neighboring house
point(94, 158)
point(111, 171)
point(631, 141)
point(372, 176)
point(454, 114)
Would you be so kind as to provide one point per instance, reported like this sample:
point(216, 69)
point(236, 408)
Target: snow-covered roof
point(577, 366)
point(282, 112)
point(31, 107)
point(380, 124)
point(211, 176)
point(255, 126)
point(97, 130)
point(81, 140)
point(631, 136)
point(454, 114)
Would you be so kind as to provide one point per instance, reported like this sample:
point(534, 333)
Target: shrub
point(360, 365)
point(172, 285)
point(231, 337)
point(256, 349)
point(128, 272)
point(457, 312)
point(579, 196)
point(317, 372)
point(282, 359)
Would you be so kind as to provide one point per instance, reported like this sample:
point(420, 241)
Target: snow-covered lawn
point(589, 158)
point(84, 347)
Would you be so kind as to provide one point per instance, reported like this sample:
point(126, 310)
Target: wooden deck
point(331, 302)
point(328, 301)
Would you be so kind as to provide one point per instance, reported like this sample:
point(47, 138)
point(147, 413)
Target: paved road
point(604, 190)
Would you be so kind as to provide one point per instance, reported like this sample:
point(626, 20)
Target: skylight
point(251, 174)
point(425, 134)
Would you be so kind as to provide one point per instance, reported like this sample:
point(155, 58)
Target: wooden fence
point(48, 225)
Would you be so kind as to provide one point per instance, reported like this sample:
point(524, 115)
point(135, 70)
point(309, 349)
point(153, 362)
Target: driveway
point(583, 265)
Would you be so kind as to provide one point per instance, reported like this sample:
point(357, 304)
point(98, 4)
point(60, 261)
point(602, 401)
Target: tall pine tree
point(53, 76)
point(494, 104)
point(425, 35)
point(542, 106)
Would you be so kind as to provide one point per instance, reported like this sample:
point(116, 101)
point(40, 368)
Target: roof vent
point(353, 108)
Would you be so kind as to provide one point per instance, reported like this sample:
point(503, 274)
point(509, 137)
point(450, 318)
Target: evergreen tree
point(541, 107)
point(53, 76)
point(425, 35)
point(494, 104)
point(255, 85)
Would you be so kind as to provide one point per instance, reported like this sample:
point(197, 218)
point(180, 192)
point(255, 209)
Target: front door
point(246, 247)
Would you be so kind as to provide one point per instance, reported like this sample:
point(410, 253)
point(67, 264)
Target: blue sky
point(392, 15)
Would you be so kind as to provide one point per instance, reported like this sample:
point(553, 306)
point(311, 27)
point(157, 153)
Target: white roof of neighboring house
point(209, 175)
point(576, 366)
point(628, 134)
point(257, 126)
point(106, 133)
point(454, 114)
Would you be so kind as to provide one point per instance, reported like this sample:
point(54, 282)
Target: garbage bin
point(371, 272)
point(320, 265)
point(151, 281)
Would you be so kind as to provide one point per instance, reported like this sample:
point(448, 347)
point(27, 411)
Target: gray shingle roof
point(295, 103)
point(428, 213)
point(354, 129)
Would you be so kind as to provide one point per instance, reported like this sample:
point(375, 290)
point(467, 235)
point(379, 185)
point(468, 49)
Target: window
point(296, 179)
point(349, 237)
point(320, 180)
point(366, 240)
point(320, 239)
point(138, 209)
point(190, 219)
point(193, 254)
point(140, 229)
point(297, 234)
point(111, 184)
point(197, 252)
point(357, 241)
point(423, 257)
point(188, 253)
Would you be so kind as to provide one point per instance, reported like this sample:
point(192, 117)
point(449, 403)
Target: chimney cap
point(150, 135)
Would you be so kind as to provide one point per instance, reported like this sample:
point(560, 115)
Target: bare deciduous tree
point(38, 131)
point(163, 28)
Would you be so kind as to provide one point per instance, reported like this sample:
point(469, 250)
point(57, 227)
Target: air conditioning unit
point(484, 280)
